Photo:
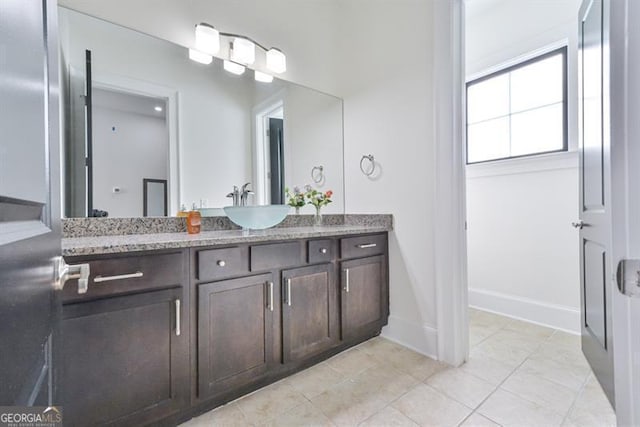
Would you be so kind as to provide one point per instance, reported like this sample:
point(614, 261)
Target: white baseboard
point(552, 315)
point(413, 335)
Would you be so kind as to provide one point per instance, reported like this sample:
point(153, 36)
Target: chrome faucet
point(235, 195)
point(244, 194)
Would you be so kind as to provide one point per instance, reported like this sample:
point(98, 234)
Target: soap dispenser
point(194, 220)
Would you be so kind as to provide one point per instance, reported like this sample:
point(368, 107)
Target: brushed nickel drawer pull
point(289, 292)
point(346, 280)
point(323, 250)
point(99, 279)
point(367, 245)
point(221, 263)
point(178, 312)
point(271, 296)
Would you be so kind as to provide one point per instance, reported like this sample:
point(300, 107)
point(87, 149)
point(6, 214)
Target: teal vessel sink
point(257, 217)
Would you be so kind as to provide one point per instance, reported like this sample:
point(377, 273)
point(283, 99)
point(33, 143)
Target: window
point(519, 111)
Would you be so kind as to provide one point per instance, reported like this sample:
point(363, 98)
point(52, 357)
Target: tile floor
point(519, 374)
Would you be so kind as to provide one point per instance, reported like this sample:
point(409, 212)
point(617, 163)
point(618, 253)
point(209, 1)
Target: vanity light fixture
point(233, 67)
point(201, 57)
point(207, 39)
point(242, 50)
point(263, 77)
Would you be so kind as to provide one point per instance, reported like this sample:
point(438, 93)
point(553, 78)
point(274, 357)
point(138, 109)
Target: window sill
point(531, 164)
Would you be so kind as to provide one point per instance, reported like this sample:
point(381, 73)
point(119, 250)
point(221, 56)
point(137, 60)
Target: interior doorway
point(269, 131)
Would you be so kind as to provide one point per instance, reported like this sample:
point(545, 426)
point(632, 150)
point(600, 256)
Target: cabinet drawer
point(221, 263)
point(320, 251)
point(120, 275)
point(361, 246)
point(277, 255)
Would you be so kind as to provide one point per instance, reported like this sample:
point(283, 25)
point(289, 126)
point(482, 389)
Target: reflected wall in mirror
point(137, 108)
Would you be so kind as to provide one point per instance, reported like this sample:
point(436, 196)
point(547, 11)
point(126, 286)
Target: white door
point(595, 196)
point(621, 23)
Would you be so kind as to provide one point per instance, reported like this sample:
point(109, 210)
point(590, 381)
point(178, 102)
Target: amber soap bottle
point(194, 219)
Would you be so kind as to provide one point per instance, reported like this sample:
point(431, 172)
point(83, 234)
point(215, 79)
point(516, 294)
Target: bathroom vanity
point(174, 325)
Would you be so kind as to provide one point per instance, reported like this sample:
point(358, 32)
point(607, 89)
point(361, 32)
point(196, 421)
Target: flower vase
point(317, 220)
point(297, 210)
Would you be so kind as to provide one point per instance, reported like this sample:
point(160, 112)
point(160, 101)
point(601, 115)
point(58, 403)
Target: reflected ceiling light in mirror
point(263, 77)
point(157, 108)
point(233, 68)
point(201, 57)
point(243, 51)
point(207, 39)
point(276, 60)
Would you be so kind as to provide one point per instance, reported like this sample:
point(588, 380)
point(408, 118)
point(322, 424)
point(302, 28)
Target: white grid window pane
point(488, 99)
point(488, 140)
point(537, 131)
point(537, 84)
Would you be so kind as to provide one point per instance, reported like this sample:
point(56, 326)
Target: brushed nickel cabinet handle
point(367, 245)
point(289, 292)
point(99, 279)
point(178, 317)
point(271, 296)
point(346, 280)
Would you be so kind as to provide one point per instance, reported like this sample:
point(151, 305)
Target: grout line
point(575, 400)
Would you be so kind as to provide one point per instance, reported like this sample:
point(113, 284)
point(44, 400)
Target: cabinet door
point(309, 315)
point(234, 333)
point(125, 359)
point(364, 296)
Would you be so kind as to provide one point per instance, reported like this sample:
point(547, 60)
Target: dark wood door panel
point(309, 311)
point(122, 360)
point(234, 333)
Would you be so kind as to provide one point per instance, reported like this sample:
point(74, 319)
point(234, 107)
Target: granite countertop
point(96, 245)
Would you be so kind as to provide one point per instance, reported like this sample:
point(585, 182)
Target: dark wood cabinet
point(309, 311)
point(124, 359)
point(364, 296)
point(234, 332)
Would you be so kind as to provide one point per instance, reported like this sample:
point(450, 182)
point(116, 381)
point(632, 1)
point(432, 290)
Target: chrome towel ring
point(317, 174)
point(368, 158)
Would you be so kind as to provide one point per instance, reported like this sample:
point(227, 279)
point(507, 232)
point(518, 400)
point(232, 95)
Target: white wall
point(523, 255)
point(378, 56)
point(127, 148)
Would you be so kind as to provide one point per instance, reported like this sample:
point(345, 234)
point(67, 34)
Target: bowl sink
point(257, 217)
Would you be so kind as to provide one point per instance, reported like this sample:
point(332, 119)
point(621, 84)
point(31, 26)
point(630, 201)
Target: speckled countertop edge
point(98, 245)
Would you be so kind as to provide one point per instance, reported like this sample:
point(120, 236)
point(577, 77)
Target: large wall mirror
point(147, 130)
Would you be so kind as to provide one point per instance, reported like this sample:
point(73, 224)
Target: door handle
point(289, 292)
point(579, 224)
point(64, 272)
point(346, 280)
point(628, 277)
point(270, 296)
point(100, 279)
point(178, 312)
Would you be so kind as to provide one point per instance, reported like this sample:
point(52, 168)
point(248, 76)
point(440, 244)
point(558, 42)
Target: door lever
point(64, 272)
point(579, 225)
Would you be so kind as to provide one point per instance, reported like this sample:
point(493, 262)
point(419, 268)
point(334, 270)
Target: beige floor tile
point(592, 407)
point(315, 380)
point(269, 402)
point(479, 333)
point(401, 358)
point(303, 415)
point(530, 329)
point(510, 410)
point(541, 391)
point(568, 375)
point(529, 343)
point(351, 362)
point(462, 386)
point(489, 369)
point(501, 351)
point(225, 416)
point(485, 318)
point(477, 420)
point(565, 339)
point(386, 384)
point(349, 403)
point(429, 407)
point(389, 416)
point(561, 353)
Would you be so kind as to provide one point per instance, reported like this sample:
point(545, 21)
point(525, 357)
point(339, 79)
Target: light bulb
point(207, 39)
point(263, 77)
point(233, 68)
point(243, 51)
point(201, 57)
point(276, 60)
